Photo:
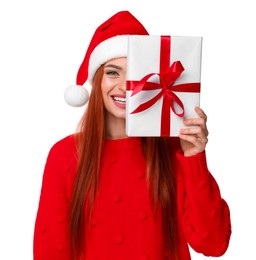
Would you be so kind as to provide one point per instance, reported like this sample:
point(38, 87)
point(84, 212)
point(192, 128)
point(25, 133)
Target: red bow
point(166, 81)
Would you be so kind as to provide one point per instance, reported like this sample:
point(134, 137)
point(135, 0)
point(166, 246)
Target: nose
point(122, 83)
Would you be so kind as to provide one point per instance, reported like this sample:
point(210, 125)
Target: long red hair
point(90, 139)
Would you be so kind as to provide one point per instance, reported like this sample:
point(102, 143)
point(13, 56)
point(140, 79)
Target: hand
point(193, 140)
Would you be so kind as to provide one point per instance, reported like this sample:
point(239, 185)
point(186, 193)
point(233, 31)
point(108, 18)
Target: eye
point(112, 73)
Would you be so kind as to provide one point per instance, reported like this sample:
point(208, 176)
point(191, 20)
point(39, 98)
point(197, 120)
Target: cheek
point(104, 91)
point(105, 86)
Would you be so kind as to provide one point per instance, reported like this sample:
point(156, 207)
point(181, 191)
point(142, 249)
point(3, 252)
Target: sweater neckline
point(124, 143)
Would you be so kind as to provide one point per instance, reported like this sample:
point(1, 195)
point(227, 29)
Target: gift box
point(163, 83)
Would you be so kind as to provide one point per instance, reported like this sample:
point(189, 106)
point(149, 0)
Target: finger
point(194, 121)
point(199, 144)
point(203, 138)
point(201, 113)
point(191, 131)
point(194, 140)
point(196, 131)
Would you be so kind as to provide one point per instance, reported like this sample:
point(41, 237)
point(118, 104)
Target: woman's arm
point(205, 215)
point(51, 233)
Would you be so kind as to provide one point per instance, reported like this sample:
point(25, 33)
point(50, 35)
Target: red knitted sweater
point(123, 226)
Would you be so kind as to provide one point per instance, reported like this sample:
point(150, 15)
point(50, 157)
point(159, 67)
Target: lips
point(119, 100)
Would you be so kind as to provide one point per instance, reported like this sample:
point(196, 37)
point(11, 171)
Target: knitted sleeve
point(50, 233)
point(206, 217)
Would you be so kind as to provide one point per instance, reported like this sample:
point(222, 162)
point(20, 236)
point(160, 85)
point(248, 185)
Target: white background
point(42, 44)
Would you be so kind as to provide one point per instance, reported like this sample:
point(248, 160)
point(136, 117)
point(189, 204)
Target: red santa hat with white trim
point(109, 41)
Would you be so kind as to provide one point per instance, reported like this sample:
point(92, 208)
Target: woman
point(107, 196)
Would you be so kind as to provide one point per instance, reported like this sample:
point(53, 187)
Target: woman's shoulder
point(64, 149)
point(68, 142)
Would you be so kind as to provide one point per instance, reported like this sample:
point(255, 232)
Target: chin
point(120, 116)
point(115, 112)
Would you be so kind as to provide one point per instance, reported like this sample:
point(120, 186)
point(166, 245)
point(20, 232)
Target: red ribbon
point(167, 75)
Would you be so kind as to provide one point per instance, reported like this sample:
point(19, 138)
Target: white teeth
point(120, 99)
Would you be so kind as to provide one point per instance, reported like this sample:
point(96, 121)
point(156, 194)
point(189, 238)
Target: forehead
point(121, 62)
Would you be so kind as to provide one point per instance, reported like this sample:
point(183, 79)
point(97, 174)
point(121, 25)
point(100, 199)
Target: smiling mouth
point(121, 100)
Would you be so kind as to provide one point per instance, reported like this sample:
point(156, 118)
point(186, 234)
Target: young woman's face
point(113, 86)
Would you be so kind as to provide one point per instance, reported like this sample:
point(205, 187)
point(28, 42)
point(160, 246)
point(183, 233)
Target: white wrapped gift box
point(148, 66)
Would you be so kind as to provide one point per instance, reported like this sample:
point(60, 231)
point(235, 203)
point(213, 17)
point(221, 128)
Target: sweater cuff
point(195, 166)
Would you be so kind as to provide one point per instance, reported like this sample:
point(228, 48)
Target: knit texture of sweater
point(123, 224)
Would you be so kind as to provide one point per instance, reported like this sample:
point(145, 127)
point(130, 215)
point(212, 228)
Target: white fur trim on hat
point(115, 47)
point(76, 96)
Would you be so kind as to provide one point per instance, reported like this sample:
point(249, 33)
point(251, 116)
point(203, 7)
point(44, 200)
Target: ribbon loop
point(172, 74)
point(173, 98)
point(166, 81)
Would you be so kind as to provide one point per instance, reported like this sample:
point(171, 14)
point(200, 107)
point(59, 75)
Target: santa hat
point(109, 41)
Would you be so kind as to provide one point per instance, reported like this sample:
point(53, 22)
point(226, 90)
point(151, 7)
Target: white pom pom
point(76, 96)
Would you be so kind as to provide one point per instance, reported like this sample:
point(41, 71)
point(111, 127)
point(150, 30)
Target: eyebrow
point(113, 66)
